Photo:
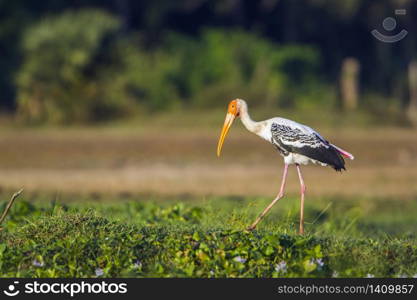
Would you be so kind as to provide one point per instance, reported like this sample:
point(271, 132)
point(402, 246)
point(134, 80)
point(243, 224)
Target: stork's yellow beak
point(226, 126)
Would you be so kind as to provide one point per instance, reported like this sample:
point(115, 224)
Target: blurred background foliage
point(88, 61)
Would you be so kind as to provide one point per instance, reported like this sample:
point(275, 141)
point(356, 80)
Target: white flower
point(335, 274)
point(37, 263)
point(99, 272)
point(402, 276)
point(137, 265)
point(415, 275)
point(317, 261)
point(370, 275)
point(281, 267)
point(240, 259)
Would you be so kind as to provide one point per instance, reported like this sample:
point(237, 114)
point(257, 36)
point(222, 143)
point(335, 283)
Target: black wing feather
point(313, 145)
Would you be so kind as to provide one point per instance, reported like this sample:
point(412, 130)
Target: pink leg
point(279, 196)
point(303, 189)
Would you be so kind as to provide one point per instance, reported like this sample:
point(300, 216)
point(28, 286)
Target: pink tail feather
point(343, 152)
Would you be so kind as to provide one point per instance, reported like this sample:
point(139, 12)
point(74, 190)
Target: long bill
point(226, 126)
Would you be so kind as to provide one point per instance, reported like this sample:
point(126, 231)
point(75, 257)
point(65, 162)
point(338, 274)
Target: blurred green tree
point(143, 78)
point(77, 68)
point(228, 64)
point(58, 81)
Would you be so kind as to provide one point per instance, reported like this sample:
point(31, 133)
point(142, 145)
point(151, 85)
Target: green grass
point(206, 238)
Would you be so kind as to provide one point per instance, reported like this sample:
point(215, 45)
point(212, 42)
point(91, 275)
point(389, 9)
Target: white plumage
point(297, 143)
point(300, 144)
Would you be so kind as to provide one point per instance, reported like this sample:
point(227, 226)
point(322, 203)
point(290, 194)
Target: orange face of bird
point(232, 113)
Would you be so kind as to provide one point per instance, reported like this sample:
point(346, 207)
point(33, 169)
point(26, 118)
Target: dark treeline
point(154, 53)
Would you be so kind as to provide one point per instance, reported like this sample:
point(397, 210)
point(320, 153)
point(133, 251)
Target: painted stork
point(297, 143)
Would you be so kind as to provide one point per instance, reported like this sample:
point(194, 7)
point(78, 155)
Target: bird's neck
point(247, 121)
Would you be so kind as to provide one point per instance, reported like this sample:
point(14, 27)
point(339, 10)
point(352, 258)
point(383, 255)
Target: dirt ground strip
point(184, 162)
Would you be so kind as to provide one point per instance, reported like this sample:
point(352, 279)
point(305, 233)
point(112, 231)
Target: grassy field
point(350, 237)
point(154, 200)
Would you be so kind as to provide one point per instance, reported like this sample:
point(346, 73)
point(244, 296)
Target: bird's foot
point(251, 228)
